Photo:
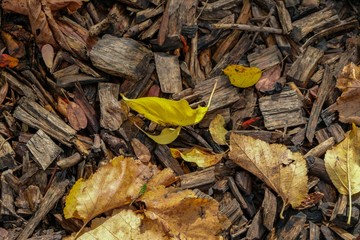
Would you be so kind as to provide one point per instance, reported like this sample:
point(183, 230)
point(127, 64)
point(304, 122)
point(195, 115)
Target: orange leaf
point(8, 61)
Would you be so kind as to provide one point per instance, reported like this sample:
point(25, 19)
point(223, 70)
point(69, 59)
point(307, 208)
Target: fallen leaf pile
point(168, 212)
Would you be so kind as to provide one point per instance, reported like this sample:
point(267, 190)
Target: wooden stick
point(249, 28)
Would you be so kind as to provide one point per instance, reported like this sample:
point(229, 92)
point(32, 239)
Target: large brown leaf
point(282, 170)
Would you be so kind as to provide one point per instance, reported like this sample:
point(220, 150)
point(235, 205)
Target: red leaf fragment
point(8, 61)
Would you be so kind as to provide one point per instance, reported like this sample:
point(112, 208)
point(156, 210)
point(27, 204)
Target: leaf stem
point(349, 182)
point(212, 93)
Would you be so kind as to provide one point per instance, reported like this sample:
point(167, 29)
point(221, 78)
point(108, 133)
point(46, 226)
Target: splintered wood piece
point(112, 115)
point(321, 149)
point(19, 87)
point(38, 117)
point(6, 151)
point(316, 167)
point(229, 208)
point(314, 231)
point(256, 229)
point(70, 79)
point(303, 68)
point(343, 233)
point(265, 58)
point(142, 4)
point(170, 28)
point(313, 21)
point(334, 130)
point(148, 13)
point(232, 57)
point(327, 233)
point(136, 29)
point(54, 193)
point(318, 104)
point(244, 181)
point(198, 178)
point(43, 149)
point(269, 208)
point(69, 161)
point(150, 32)
point(340, 213)
point(168, 70)
point(281, 110)
point(284, 17)
point(249, 208)
point(7, 197)
point(293, 227)
point(267, 136)
point(163, 153)
point(225, 94)
point(281, 40)
point(123, 57)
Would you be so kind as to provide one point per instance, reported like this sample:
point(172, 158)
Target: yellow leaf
point(124, 225)
point(167, 135)
point(183, 214)
point(342, 163)
point(217, 130)
point(113, 185)
point(167, 112)
point(201, 158)
point(282, 170)
point(241, 76)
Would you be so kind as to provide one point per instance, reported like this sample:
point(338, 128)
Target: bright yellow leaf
point(201, 158)
point(282, 170)
point(241, 76)
point(167, 112)
point(184, 215)
point(167, 135)
point(113, 185)
point(342, 163)
point(217, 130)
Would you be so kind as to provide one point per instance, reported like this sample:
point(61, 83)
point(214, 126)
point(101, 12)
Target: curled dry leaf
point(184, 215)
point(47, 52)
point(201, 158)
point(348, 104)
point(76, 116)
point(282, 170)
point(140, 150)
point(242, 77)
point(217, 130)
point(113, 185)
point(342, 163)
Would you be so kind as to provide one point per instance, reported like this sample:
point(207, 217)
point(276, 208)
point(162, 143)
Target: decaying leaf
point(167, 135)
point(140, 150)
point(241, 76)
point(269, 80)
point(342, 163)
point(201, 158)
point(76, 116)
point(184, 215)
point(124, 225)
point(112, 186)
point(217, 130)
point(282, 170)
point(348, 104)
point(47, 53)
point(8, 61)
point(167, 112)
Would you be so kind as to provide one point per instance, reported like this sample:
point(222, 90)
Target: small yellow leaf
point(282, 170)
point(241, 76)
point(167, 135)
point(217, 130)
point(201, 158)
point(342, 163)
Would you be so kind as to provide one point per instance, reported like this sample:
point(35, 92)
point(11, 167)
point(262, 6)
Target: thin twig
point(249, 28)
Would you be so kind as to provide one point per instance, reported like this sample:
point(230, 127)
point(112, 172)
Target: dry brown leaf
point(348, 104)
point(140, 150)
point(165, 177)
point(282, 170)
point(269, 79)
point(112, 186)
point(342, 163)
point(217, 130)
point(76, 116)
point(183, 214)
point(124, 225)
point(199, 157)
point(47, 52)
